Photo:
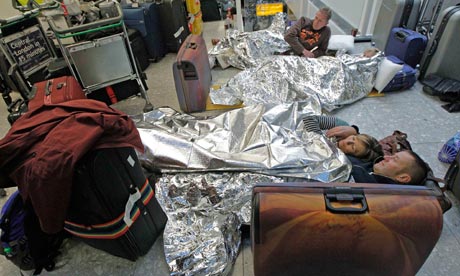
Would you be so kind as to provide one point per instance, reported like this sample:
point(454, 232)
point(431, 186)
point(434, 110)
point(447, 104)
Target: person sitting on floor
point(362, 146)
point(404, 167)
point(310, 38)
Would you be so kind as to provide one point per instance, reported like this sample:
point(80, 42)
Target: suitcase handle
point(401, 35)
point(346, 197)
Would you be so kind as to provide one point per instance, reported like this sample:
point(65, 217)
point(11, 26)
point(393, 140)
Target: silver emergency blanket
point(337, 81)
point(245, 49)
point(210, 166)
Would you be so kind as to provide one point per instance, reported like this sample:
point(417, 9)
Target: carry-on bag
point(146, 19)
point(54, 91)
point(442, 56)
point(174, 24)
point(452, 177)
point(343, 228)
point(113, 206)
point(404, 78)
point(141, 55)
point(394, 13)
point(192, 74)
point(407, 45)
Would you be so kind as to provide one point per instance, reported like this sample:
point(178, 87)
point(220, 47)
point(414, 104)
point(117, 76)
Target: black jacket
point(363, 172)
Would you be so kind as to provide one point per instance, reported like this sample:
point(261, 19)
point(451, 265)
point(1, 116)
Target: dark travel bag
point(343, 228)
point(113, 206)
point(404, 78)
point(407, 45)
point(452, 177)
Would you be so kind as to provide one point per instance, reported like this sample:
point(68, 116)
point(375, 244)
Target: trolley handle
point(88, 26)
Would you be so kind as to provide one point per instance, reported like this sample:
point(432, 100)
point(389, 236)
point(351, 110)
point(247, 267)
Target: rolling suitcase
point(404, 78)
point(139, 49)
point(192, 74)
point(113, 206)
point(407, 45)
point(343, 228)
point(55, 91)
point(173, 17)
point(394, 13)
point(442, 56)
point(146, 19)
point(452, 177)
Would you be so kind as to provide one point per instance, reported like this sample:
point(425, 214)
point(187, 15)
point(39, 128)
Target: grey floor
point(428, 126)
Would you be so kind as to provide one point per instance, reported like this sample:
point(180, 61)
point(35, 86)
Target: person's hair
point(326, 11)
point(417, 170)
point(373, 149)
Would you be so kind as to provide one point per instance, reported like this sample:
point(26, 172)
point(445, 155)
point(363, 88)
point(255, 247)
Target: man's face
point(393, 166)
point(319, 21)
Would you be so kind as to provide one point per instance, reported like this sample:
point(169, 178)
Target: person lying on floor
point(404, 167)
point(361, 146)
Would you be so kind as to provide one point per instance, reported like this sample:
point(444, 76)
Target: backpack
point(395, 143)
point(13, 239)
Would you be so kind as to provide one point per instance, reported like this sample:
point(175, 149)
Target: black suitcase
point(146, 19)
point(452, 178)
point(210, 10)
point(139, 49)
point(113, 206)
point(173, 16)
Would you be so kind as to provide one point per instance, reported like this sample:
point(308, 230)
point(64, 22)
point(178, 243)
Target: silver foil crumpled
point(245, 49)
point(336, 81)
point(209, 166)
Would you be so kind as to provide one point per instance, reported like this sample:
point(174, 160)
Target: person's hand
point(307, 53)
point(341, 132)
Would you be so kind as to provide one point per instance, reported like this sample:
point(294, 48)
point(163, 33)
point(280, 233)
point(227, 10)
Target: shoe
point(214, 41)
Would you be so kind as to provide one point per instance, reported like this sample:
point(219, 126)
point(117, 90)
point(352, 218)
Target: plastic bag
point(450, 149)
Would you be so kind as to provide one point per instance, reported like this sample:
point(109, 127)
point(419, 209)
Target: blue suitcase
point(404, 79)
point(407, 45)
point(146, 19)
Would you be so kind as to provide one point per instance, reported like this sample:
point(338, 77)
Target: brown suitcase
point(192, 74)
point(343, 228)
point(55, 91)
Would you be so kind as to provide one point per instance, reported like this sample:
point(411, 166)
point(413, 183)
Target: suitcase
point(146, 19)
point(343, 228)
point(404, 78)
point(407, 45)
point(174, 24)
point(192, 74)
point(55, 91)
point(452, 178)
point(394, 13)
point(211, 10)
point(139, 49)
point(113, 206)
point(442, 56)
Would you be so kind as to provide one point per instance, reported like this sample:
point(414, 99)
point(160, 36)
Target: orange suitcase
point(343, 228)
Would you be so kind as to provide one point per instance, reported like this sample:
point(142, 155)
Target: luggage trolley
point(26, 48)
point(101, 62)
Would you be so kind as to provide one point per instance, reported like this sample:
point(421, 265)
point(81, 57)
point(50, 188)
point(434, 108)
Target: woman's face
point(352, 145)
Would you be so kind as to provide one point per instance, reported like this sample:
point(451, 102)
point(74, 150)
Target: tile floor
point(428, 126)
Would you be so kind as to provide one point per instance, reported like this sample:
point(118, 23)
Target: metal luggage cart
point(101, 62)
point(26, 49)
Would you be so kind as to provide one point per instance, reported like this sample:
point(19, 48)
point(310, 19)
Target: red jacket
point(42, 147)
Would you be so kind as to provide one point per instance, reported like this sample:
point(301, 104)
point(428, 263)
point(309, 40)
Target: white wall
point(350, 10)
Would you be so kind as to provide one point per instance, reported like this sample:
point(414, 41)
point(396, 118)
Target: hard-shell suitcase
point(113, 206)
point(407, 45)
point(173, 17)
point(192, 74)
point(394, 13)
point(404, 78)
point(55, 91)
point(343, 228)
point(139, 49)
point(452, 177)
point(146, 19)
point(442, 56)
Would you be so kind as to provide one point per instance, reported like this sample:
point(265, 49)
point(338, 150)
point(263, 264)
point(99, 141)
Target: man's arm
point(292, 36)
point(324, 42)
